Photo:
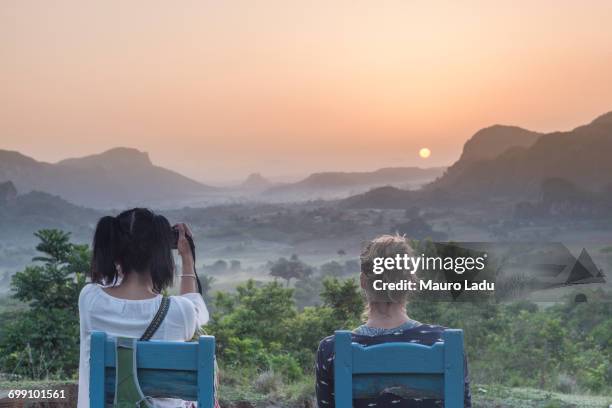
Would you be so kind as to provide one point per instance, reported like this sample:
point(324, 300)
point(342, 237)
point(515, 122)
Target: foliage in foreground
point(565, 348)
point(42, 341)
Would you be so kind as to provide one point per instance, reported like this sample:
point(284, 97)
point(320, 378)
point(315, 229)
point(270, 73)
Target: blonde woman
point(387, 321)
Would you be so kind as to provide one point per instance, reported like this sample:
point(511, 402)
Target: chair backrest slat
point(178, 384)
point(159, 355)
point(206, 371)
point(343, 370)
point(453, 368)
point(413, 385)
point(411, 370)
point(165, 369)
point(407, 358)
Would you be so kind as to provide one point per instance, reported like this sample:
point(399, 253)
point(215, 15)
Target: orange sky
point(220, 89)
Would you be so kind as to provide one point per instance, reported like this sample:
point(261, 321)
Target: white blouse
point(100, 311)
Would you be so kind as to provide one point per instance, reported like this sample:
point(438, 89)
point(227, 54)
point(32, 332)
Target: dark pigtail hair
point(138, 240)
point(162, 261)
point(105, 251)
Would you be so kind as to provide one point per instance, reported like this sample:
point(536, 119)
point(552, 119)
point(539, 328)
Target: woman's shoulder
point(192, 308)
point(185, 302)
point(326, 344)
point(89, 298)
point(89, 287)
point(88, 291)
point(423, 333)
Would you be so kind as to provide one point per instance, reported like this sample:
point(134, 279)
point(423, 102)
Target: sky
point(219, 89)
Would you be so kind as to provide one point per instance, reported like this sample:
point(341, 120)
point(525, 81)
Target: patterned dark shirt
point(414, 333)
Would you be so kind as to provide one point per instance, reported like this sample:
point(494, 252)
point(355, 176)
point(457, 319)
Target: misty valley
point(327, 216)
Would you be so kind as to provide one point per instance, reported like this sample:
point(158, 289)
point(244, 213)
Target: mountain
point(256, 182)
point(389, 197)
point(21, 215)
point(345, 182)
point(8, 192)
point(492, 141)
point(25, 213)
point(580, 156)
point(382, 198)
point(487, 144)
point(114, 178)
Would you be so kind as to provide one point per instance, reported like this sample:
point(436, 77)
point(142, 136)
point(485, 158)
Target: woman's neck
point(386, 315)
point(133, 286)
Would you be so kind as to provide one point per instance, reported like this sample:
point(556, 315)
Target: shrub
point(43, 341)
point(268, 382)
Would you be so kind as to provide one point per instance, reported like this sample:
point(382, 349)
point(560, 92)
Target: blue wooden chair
point(406, 369)
point(165, 370)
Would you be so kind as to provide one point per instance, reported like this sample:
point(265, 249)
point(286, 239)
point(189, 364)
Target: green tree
point(259, 323)
point(345, 299)
point(332, 268)
point(43, 341)
point(54, 245)
point(342, 308)
point(206, 282)
point(256, 315)
point(290, 268)
point(306, 291)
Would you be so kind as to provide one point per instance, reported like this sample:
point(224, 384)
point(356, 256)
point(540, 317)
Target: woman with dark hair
point(132, 264)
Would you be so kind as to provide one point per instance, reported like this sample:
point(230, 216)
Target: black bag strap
point(197, 278)
point(157, 320)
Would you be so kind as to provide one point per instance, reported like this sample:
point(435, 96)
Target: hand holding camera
point(183, 242)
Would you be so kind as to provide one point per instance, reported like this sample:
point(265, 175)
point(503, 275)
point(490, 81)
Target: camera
point(174, 240)
point(175, 237)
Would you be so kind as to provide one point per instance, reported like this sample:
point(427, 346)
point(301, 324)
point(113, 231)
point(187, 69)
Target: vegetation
point(266, 340)
point(290, 268)
point(42, 341)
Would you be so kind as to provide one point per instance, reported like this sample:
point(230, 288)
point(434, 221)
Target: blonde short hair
point(385, 246)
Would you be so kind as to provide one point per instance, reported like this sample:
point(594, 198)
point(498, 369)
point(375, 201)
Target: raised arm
point(187, 276)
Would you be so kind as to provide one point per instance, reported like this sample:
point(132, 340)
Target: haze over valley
point(509, 184)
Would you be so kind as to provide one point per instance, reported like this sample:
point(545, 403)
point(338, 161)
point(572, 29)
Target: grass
point(507, 397)
point(26, 385)
point(301, 394)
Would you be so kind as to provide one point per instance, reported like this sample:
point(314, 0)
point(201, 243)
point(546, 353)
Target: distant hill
point(256, 182)
point(8, 192)
point(511, 163)
point(396, 198)
point(115, 178)
point(339, 182)
point(382, 198)
point(24, 214)
point(490, 142)
point(580, 156)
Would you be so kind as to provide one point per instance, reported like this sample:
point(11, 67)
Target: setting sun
point(424, 153)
